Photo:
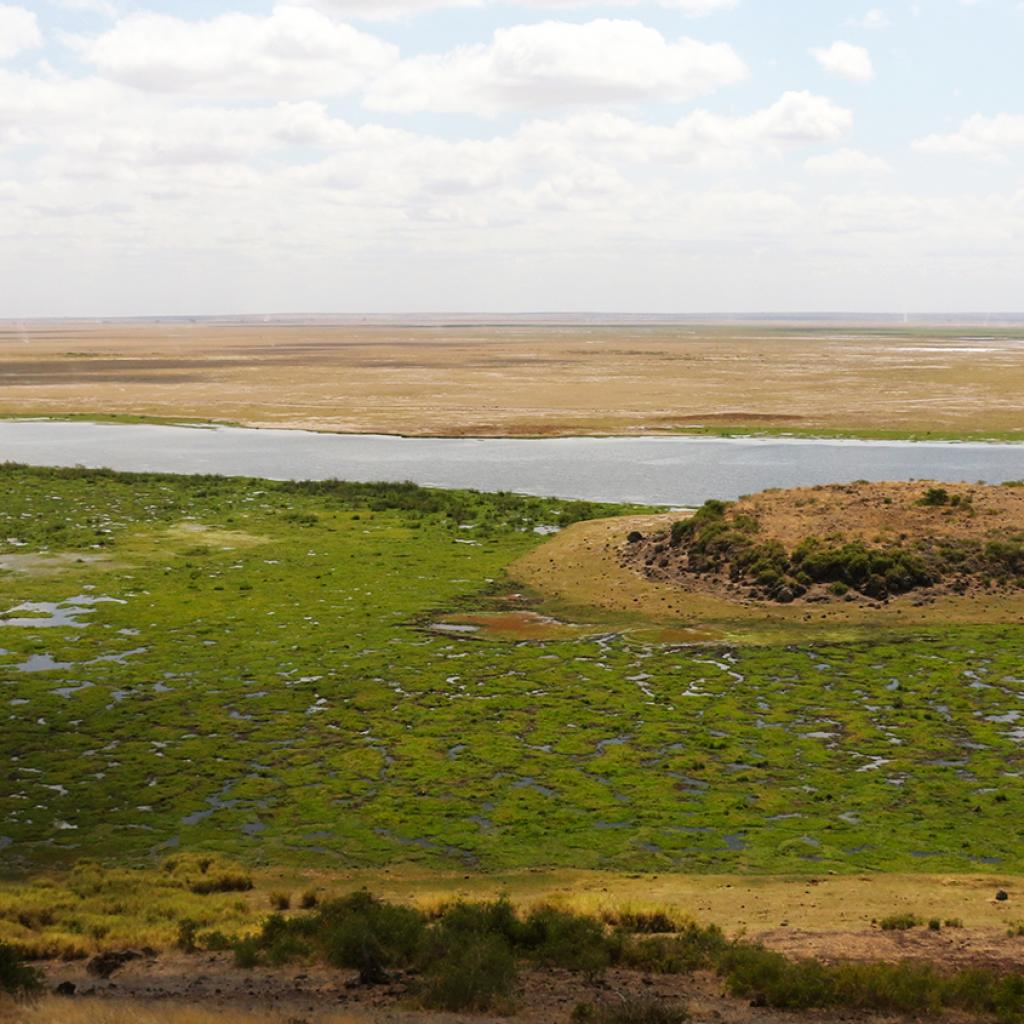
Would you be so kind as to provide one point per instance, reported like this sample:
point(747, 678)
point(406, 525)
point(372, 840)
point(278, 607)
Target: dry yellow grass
point(494, 380)
point(580, 573)
point(144, 915)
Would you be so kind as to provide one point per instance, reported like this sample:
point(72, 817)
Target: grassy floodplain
point(249, 668)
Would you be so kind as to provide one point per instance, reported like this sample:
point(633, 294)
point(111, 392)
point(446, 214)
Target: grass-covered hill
point(856, 542)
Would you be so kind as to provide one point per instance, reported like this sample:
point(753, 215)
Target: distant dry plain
point(523, 380)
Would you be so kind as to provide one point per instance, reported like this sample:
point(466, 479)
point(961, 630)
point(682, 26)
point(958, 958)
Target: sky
point(201, 157)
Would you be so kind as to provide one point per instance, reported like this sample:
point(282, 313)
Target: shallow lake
point(654, 470)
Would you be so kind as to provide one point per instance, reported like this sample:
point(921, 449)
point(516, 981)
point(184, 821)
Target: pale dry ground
point(579, 573)
point(756, 905)
point(521, 380)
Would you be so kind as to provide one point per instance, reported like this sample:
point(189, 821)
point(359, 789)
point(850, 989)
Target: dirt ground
point(544, 379)
point(319, 994)
point(585, 572)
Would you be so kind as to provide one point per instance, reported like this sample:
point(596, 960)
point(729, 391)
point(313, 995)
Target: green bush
point(899, 922)
point(247, 952)
point(477, 973)
point(693, 948)
point(221, 883)
point(15, 977)
point(560, 938)
point(643, 922)
point(186, 940)
point(934, 497)
point(280, 901)
point(369, 935)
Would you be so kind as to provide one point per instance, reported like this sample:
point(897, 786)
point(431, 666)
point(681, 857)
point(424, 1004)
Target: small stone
point(1002, 896)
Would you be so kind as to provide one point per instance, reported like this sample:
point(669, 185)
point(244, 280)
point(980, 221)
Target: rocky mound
point(866, 542)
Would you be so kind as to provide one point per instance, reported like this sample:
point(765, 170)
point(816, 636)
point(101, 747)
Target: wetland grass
point(252, 675)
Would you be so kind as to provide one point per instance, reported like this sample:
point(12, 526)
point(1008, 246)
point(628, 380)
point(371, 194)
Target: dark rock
point(104, 965)
point(784, 595)
point(635, 537)
point(1002, 896)
point(65, 988)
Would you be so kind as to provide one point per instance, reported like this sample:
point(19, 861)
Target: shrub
point(15, 977)
point(280, 901)
point(769, 979)
point(309, 900)
point(899, 922)
point(631, 1011)
point(477, 973)
point(934, 497)
point(221, 883)
point(560, 938)
point(643, 922)
point(692, 949)
point(364, 933)
point(215, 942)
point(247, 952)
point(186, 940)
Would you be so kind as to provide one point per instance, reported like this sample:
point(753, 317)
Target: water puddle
point(511, 625)
point(70, 691)
point(42, 663)
point(54, 614)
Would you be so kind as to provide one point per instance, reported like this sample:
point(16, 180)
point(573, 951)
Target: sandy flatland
point(498, 380)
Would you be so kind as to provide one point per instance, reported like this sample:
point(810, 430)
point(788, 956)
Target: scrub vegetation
point(840, 542)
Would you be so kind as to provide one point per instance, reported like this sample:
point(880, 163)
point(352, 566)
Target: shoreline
point(701, 432)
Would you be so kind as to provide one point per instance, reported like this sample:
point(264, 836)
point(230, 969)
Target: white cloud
point(874, 19)
point(19, 31)
point(847, 162)
point(990, 138)
point(847, 60)
point(294, 51)
point(700, 139)
point(104, 8)
point(554, 64)
point(385, 9)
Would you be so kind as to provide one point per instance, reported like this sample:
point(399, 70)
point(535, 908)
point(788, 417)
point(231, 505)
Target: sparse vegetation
point(900, 922)
point(629, 1010)
point(735, 545)
point(769, 979)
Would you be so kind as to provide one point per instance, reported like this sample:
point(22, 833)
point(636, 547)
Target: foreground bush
point(468, 953)
point(477, 972)
point(769, 979)
point(15, 977)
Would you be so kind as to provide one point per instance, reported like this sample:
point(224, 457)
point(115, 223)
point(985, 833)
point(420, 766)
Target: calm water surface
point(655, 470)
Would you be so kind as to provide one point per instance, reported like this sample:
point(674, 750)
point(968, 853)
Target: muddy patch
point(51, 565)
point(512, 625)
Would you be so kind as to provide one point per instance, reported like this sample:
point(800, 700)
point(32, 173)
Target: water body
point(653, 470)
